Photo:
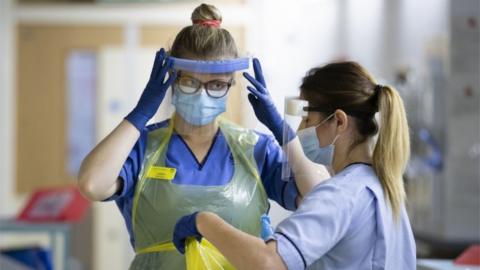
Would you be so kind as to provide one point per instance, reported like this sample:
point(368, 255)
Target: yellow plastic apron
point(158, 203)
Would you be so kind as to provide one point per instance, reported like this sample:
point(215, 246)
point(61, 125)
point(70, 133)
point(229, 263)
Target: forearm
point(98, 176)
point(307, 173)
point(244, 251)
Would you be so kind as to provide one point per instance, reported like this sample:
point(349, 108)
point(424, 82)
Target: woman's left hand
point(186, 227)
point(263, 105)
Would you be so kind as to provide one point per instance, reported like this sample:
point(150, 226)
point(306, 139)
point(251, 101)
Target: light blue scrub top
point(345, 223)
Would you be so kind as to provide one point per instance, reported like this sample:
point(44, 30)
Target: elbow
point(270, 260)
point(86, 186)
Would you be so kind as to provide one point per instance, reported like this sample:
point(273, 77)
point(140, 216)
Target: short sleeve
point(131, 168)
point(320, 222)
point(269, 157)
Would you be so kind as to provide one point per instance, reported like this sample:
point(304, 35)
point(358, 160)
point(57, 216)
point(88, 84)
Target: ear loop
point(335, 139)
point(336, 136)
point(325, 120)
point(330, 169)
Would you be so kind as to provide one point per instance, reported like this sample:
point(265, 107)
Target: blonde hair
point(205, 42)
point(349, 87)
point(392, 150)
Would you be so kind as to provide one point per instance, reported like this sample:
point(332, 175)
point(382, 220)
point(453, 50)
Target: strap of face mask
point(325, 120)
point(335, 139)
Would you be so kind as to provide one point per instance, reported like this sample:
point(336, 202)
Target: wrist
point(283, 133)
point(201, 220)
point(137, 119)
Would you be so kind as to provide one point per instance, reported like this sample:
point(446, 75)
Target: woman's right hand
point(154, 92)
point(98, 178)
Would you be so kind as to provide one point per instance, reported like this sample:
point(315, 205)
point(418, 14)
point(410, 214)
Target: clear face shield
point(293, 116)
point(298, 163)
point(201, 92)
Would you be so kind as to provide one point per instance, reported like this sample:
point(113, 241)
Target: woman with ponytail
point(357, 218)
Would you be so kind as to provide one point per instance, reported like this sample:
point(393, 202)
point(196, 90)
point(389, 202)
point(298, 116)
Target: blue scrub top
point(216, 169)
point(345, 223)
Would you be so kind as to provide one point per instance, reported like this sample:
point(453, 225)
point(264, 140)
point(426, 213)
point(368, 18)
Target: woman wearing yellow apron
point(194, 161)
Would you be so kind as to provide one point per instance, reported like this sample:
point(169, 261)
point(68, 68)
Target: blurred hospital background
point(70, 70)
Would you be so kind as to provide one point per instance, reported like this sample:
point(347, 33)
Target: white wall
point(291, 37)
point(421, 22)
point(461, 200)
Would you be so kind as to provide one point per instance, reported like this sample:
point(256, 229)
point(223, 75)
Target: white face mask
point(311, 145)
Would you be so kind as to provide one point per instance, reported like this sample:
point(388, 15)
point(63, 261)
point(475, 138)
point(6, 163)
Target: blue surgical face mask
point(198, 109)
point(311, 146)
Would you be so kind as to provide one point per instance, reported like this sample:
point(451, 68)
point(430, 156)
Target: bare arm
point(307, 173)
point(244, 251)
point(98, 176)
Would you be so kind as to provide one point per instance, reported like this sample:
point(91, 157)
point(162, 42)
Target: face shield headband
point(210, 66)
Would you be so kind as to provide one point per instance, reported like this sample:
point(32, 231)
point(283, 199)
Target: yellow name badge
point(161, 173)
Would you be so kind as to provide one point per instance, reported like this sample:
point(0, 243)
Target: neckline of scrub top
point(200, 164)
point(358, 163)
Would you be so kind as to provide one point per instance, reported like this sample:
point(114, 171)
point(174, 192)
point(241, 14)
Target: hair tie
point(211, 23)
point(378, 87)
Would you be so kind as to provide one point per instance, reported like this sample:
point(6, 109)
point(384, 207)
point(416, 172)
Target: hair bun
point(206, 15)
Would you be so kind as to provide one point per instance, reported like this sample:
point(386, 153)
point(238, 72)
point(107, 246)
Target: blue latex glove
point(263, 105)
point(267, 229)
point(154, 92)
point(186, 227)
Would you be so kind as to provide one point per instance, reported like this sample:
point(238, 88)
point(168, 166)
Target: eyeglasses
point(214, 88)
